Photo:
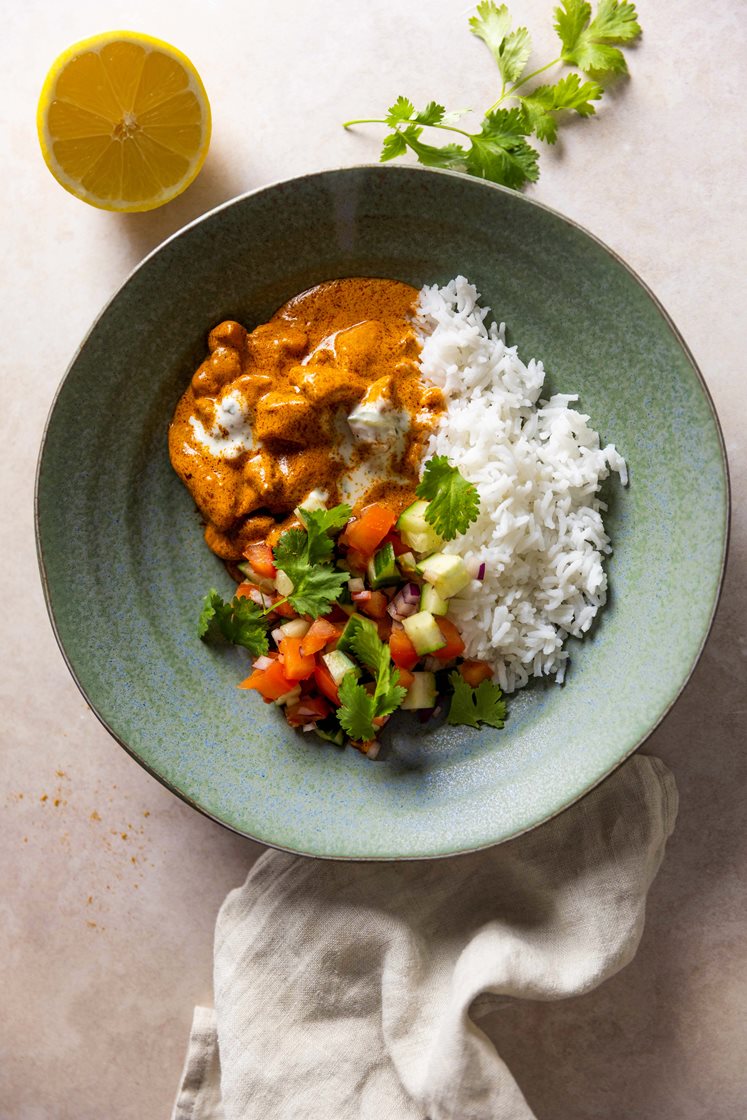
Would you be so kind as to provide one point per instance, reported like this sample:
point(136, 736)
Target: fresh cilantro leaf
point(591, 44)
point(241, 621)
point(325, 520)
point(392, 147)
point(449, 156)
point(569, 93)
point(316, 584)
point(359, 708)
point(304, 557)
point(510, 49)
point(473, 706)
point(453, 503)
point(367, 646)
point(499, 151)
point(402, 110)
point(375, 655)
point(432, 114)
point(389, 694)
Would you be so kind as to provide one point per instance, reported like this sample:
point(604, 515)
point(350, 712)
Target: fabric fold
point(352, 990)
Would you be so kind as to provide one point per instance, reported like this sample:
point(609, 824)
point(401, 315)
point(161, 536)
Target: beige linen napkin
point(350, 991)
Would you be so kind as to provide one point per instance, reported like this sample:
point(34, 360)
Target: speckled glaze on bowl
point(125, 568)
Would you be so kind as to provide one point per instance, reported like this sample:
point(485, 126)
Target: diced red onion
point(263, 663)
point(307, 710)
point(361, 596)
point(432, 664)
point(309, 727)
point(373, 750)
point(476, 567)
point(257, 597)
point(277, 636)
point(405, 603)
point(355, 585)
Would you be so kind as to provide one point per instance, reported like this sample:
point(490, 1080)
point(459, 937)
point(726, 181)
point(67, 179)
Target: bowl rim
point(388, 169)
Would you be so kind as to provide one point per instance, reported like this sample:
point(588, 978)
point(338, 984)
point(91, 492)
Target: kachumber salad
point(409, 524)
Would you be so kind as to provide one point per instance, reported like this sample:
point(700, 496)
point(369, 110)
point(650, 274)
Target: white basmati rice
point(537, 466)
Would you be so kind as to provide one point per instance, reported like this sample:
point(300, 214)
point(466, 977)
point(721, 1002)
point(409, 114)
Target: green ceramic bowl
point(125, 567)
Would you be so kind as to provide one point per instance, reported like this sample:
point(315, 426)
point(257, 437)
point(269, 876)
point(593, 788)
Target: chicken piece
point(325, 384)
point(288, 417)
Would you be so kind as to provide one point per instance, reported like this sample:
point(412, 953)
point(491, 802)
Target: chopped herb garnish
point(304, 555)
point(473, 706)
point(359, 707)
point(241, 621)
point(453, 503)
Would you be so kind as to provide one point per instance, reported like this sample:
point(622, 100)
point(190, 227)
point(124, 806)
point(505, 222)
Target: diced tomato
point(475, 671)
point(308, 710)
point(384, 627)
point(363, 747)
point(367, 532)
point(405, 678)
point(285, 610)
point(361, 596)
point(244, 590)
point(376, 605)
point(337, 614)
point(357, 561)
point(317, 637)
point(395, 540)
point(404, 654)
point(296, 666)
point(325, 683)
point(270, 683)
point(454, 644)
point(260, 557)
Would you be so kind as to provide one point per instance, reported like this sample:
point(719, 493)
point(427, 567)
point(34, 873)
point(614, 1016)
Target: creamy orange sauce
point(325, 397)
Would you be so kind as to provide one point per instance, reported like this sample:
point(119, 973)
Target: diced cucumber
point(264, 583)
point(331, 732)
point(289, 697)
point(339, 665)
point(408, 565)
point(422, 692)
point(415, 530)
point(448, 574)
point(343, 642)
point(424, 633)
point(382, 568)
point(430, 600)
point(423, 543)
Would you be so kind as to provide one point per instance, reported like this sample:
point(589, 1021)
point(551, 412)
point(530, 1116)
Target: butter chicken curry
point(324, 403)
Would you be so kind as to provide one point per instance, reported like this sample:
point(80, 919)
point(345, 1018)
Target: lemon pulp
point(124, 121)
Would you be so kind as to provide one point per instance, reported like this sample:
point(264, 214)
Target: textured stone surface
point(98, 994)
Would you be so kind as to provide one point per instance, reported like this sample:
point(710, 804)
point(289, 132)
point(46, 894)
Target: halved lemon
point(123, 121)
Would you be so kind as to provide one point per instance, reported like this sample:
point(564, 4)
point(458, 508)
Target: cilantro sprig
point(453, 503)
point(241, 621)
point(359, 707)
point(473, 706)
point(304, 555)
point(499, 150)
